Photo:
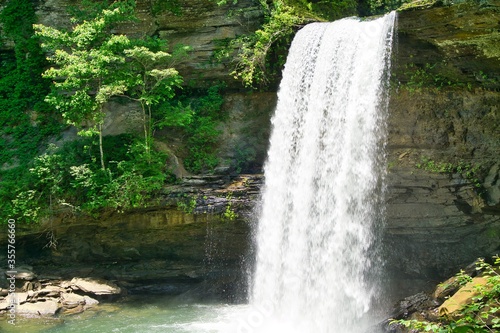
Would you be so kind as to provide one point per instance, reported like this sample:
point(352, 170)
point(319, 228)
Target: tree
point(93, 65)
point(152, 80)
point(88, 60)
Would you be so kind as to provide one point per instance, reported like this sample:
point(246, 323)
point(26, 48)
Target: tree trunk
point(101, 150)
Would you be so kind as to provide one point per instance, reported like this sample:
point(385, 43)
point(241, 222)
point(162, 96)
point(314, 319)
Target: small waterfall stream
point(322, 202)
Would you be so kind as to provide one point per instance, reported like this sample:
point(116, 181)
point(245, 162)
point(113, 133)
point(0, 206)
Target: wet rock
point(415, 303)
point(23, 273)
point(74, 310)
point(447, 288)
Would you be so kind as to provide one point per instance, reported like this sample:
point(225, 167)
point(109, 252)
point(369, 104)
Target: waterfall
point(316, 256)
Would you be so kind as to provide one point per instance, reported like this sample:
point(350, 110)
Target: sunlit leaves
point(253, 51)
point(86, 60)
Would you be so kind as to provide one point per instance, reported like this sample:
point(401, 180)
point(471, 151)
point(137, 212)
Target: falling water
point(316, 253)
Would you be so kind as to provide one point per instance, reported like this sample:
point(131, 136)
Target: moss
point(419, 4)
point(488, 45)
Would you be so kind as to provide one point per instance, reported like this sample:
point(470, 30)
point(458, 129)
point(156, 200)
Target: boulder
point(96, 286)
point(412, 304)
point(89, 302)
point(46, 308)
point(71, 300)
point(446, 288)
point(463, 296)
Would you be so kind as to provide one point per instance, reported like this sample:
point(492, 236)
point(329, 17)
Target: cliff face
point(443, 109)
point(444, 114)
point(200, 24)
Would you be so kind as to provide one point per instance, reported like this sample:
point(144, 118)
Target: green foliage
point(229, 214)
point(151, 81)
point(69, 178)
point(161, 6)
point(481, 315)
point(25, 119)
point(377, 7)
point(88, 60)
point(244, 157)
point(332, 10)
point(203, 132)
point(91, 65)
point(186, 203)
point(420, 4)
point(437, 76)
point(257, 55)
point(198, 118)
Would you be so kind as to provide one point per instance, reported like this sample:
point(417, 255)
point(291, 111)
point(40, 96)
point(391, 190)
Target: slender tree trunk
point(144, 123)
point(101, 150)
point(147, 130)
point(150, 133)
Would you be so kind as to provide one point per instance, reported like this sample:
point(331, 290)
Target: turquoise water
point(151, 314)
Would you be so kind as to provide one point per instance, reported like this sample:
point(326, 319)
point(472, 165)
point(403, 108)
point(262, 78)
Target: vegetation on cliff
point(259, 57)
point(91, 65)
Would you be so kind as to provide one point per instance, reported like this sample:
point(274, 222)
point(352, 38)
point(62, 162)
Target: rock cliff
point(444, 140)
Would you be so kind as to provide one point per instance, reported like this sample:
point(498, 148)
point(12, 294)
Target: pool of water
point(165, 315)
point(141, 315)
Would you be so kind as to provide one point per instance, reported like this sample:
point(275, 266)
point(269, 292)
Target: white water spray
point(324, 181)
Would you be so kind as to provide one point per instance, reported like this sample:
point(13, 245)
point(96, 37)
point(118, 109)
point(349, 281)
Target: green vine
point(186, 203)
point(24, 116)
point(26, 121)
point(469, 171)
